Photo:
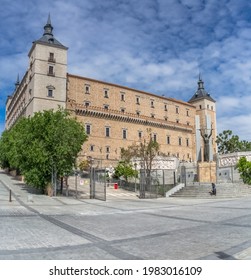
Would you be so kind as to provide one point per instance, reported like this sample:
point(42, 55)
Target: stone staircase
point(224, 190)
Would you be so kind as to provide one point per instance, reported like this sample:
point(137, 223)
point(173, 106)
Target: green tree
point(10, 143)
point(84, 165)
point(4, 149)
point(43, 147)
point(126, 170)
point(244, 168)
point(145, 151)
point(229, 143)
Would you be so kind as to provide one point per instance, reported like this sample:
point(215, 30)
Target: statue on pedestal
point(206, 138)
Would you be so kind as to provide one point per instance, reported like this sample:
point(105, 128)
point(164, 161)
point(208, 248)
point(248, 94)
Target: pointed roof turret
point(201, 93)
point(48, 27)
point(48, 37)
point(200, 83)
point(17, 83)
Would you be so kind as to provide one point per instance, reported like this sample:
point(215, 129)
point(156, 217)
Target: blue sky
point(159, 46)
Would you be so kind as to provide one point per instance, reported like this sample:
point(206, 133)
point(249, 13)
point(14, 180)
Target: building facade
point(114, 116)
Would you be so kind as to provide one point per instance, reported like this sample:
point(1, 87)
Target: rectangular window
point(137, 100)
point(88, 129)
point(168, 140)
point(122, 96)
point(187, 113)
point(140, 134)
point(87, 89)
point(50, 93)
point(124, 133)
point(51, 71)
point(165, 107)
point(107, 149)
point(107, 131)
point(180, 141)
point(87, 103)
point(152, 103)
point(51, 57)
point(92, 148)
point(106, 95)
point(187, 142)
point(106, 107)
point(177, 110)
point(155, 137)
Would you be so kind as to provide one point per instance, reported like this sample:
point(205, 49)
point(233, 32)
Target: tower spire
point(17, 83)
point(200, 83)
point(48, 27)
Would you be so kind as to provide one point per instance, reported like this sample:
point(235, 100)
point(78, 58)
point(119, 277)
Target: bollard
point(10, 196)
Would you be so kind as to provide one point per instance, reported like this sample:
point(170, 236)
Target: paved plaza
point(34, 226)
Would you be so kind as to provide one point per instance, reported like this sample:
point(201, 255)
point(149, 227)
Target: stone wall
point(165, 117)
point(226, 171)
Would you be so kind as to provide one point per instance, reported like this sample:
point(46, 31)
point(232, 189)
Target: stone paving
point(34, 226)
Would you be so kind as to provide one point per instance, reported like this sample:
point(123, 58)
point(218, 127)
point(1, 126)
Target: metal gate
point(98, 184)
point(148, 184)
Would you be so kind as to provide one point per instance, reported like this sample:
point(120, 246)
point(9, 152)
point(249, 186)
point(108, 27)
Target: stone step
point(224, 190)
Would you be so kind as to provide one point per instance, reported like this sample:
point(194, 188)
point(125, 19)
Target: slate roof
point(48, 37)
point(201, 93)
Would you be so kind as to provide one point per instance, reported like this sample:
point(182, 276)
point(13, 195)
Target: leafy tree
point(84, 165)
point(229, 143)
point(126, 170)
point(244, 168)
point(4, 149)
point(146, 151)
point(43, 147)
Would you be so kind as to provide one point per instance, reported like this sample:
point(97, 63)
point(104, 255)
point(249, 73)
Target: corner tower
point(47, 73)
point(205, 122)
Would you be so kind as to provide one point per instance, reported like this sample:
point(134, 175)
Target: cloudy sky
point(159, 46)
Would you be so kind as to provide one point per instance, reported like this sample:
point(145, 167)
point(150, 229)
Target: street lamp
point(92, 185)
point(135, 167)
point(76, 183)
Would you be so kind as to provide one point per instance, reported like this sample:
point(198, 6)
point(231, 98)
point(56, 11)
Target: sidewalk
point(22, 194)
point(35, 226)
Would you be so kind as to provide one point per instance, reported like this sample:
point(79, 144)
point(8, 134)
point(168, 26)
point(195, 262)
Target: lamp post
point(135, 167)
point(92, 184)
point(76, 183)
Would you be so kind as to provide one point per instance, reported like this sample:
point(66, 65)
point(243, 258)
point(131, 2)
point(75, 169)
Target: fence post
point(10, 200)
point(76, 184)
point(163, 172)
point(185, 171)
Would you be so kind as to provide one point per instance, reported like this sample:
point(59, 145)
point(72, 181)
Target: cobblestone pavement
point(35, 226)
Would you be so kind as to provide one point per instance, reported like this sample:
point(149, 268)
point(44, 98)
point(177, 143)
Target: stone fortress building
point(114, 116)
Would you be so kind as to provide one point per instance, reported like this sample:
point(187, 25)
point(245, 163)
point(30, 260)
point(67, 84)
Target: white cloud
point(153, 45)
point(241, 125)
